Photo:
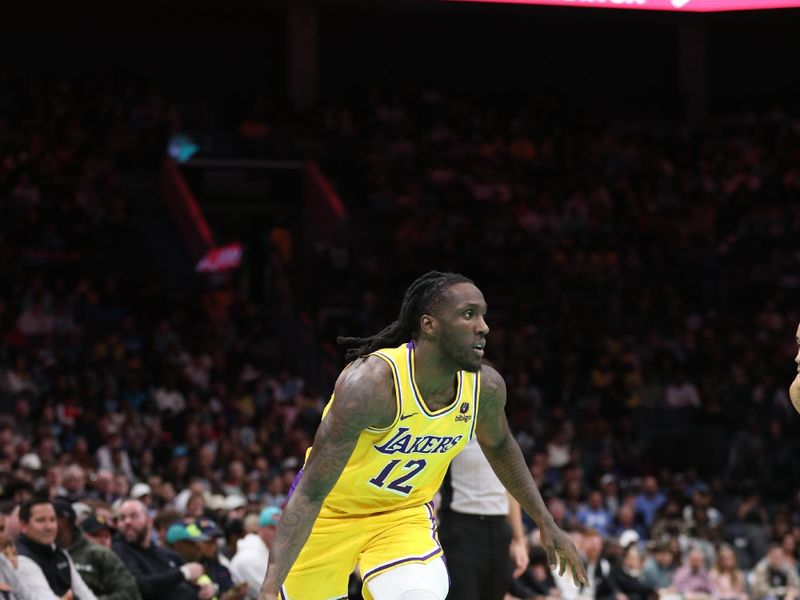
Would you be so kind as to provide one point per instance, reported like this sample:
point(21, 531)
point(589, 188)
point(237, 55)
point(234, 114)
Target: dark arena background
point(197, 198)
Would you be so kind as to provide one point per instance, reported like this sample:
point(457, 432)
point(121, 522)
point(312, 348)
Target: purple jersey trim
point(410, 344)
point(294, 485)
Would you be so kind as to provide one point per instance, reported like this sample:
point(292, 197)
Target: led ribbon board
point(670, 5)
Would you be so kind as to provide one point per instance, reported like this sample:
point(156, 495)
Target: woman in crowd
point(729, 582)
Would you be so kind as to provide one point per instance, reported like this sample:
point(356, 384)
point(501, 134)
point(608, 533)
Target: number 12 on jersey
point(411, 468)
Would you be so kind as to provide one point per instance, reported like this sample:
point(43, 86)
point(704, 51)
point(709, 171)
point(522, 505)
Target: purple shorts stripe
point(400, 561)
point(282, 595)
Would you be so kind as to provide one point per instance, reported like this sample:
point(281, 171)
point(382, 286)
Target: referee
point(480, 529)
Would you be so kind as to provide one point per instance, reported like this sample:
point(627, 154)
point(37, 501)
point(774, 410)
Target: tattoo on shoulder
point(366, 392)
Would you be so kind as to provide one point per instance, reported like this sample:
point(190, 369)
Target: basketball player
point(411, 398)
point(794, 389)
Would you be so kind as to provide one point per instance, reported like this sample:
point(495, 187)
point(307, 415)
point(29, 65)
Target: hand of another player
point(562, 553)
point(519, 556)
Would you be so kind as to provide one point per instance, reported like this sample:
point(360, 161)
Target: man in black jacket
point(45, 568)
point(100, 568)
point(160, 573)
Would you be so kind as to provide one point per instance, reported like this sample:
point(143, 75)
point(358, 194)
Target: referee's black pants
point(476, 552)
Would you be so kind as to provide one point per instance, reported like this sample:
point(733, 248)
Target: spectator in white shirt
point(249, 564)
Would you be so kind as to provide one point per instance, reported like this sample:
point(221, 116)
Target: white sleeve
point(247, 568)
point(9, 575)
point(79, 587)
point(31, 576)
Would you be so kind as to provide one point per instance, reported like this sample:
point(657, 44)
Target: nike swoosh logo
point(680, 3)
point(404, 417)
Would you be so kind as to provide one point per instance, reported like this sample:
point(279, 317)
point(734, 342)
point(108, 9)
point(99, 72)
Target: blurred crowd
point(111, 388)
point(640, 281)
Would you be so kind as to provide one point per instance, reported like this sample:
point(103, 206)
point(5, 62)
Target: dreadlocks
point(421, 297)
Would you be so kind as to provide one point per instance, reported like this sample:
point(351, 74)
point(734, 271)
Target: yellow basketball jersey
point(403, 465)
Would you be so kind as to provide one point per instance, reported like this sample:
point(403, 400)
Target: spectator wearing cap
point(142, 492)
point(46, 569)
point(249, 564)
point(31, 462)
point(217, 565)
point(185, 539)
point(97, 530)
point(100, 568)
point(159, 572)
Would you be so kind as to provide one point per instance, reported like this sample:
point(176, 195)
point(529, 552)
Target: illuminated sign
point(672, 5)
point(220, 259)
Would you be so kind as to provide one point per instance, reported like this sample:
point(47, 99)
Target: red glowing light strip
point(671, 5)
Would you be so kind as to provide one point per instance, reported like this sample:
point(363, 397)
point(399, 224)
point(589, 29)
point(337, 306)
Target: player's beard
point(463, 358)
point(794, 393)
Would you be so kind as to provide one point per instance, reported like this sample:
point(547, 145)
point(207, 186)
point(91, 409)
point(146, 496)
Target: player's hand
point(562, 553)
point(519, 556)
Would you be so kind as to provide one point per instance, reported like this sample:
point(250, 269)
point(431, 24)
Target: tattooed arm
point(363, 397)
point(507, 462)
